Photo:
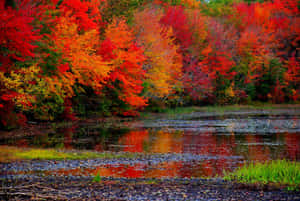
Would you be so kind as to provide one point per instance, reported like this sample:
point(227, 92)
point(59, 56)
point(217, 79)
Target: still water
point(181, 148)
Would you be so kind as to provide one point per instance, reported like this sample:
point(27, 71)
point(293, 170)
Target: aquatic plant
point(97, 178)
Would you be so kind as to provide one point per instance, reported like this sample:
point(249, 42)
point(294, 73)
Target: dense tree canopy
point(60, 58)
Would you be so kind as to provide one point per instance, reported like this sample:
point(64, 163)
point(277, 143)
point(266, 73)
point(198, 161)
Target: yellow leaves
point(230, 91)
point(59, 86)
point(19, 79)
point(22, 82)
point(31, 88)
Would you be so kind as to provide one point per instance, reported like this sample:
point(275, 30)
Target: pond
point(192, 146)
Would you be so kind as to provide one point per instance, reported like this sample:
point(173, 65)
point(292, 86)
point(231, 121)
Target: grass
point(9, 153)
point(280, 172)
point(97, 178)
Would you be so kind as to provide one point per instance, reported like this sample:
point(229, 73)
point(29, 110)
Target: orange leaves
point(164, 63)
point(86, 65)
point(119, 34)
point(191, 3)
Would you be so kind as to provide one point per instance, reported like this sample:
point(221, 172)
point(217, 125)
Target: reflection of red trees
point(164, 142)
point(256, 149)
point(202, 144)
point(22, 143)
point(210, 145)
point(208, 168)
point(219, 148)
point(134, 140)
point(292, 145)
point(160, 170)
point(98, 147)
point(165, 169)
point(122, 170)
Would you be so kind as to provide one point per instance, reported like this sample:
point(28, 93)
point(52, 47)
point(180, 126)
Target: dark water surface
point(190, 147)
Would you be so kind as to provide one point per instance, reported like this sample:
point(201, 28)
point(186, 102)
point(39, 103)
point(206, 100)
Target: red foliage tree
point(292, 78)
point(177, 19)
point(85, 14)
point(17, 37)
point(126, 58)
point(17, 34)
point(197, 83)
point(217, 63)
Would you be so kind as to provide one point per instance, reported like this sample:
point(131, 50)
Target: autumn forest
point(63, 59)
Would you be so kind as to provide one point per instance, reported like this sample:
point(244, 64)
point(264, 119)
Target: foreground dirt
point(66, 188)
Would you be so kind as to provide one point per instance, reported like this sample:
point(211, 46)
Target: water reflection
point(133, 141)
point(223, 150)
point(252, 146)
point(146, 140)
point(292, 145)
